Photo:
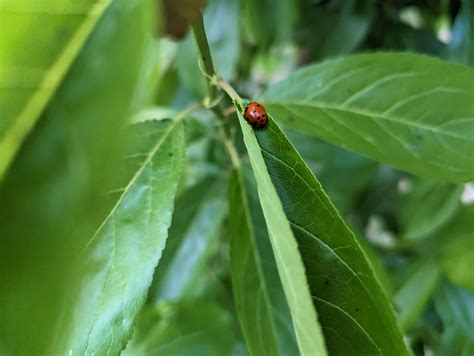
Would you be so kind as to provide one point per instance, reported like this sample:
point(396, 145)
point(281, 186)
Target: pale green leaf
point(197, 328)
point(41, 43)
point(412, 297)
point(287, 256)
point(413, 112)
point(197, 242)
point(354, 312)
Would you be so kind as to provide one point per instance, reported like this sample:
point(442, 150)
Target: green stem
point(202, 44)
point(200, 38)
point(230, 91)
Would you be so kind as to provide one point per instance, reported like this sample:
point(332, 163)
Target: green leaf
point(428, 207)
point(337, 28)
point(457, 248)
point(456, 308)
point(354, 313)
point(287, 256)
point(412, 297)
point(409, 111)
point(52, 199)
point(458, 260)
point(119, 260)
point(33, 62)
point(257, 13)
point(461, 46)
point(183, 328)
point(197, 243)
point(251, 294)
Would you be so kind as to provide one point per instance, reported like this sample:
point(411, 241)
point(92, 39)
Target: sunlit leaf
point(51, 199)
point(34, 59)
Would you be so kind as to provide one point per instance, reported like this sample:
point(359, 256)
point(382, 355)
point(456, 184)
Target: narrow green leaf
point(412, 112)
point(196, 245)
point(198, 328)
point(248, 282)
point(119, 260)
point(457, 248)
point(354, 313)
point(288, 258)
point(458, 260)
point(461, 46)
point(456, 308)
point(28, 81)
point(415, 293)
point(428, 207)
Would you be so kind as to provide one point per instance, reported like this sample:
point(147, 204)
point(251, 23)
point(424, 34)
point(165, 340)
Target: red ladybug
point(256, 115)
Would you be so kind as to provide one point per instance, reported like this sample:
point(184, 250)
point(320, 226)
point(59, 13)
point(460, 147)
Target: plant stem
point(230, 91)
point(200, 38)
point(202, 44)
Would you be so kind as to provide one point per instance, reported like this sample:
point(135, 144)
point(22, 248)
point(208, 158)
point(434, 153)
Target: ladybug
point(256, 115)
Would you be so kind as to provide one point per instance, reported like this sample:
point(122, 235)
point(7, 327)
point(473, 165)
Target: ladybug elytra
point(256, 115)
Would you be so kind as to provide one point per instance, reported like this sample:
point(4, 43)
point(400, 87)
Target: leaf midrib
point(352, 110)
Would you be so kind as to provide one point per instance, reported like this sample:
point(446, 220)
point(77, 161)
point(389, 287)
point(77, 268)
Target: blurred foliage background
point(418, 233)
